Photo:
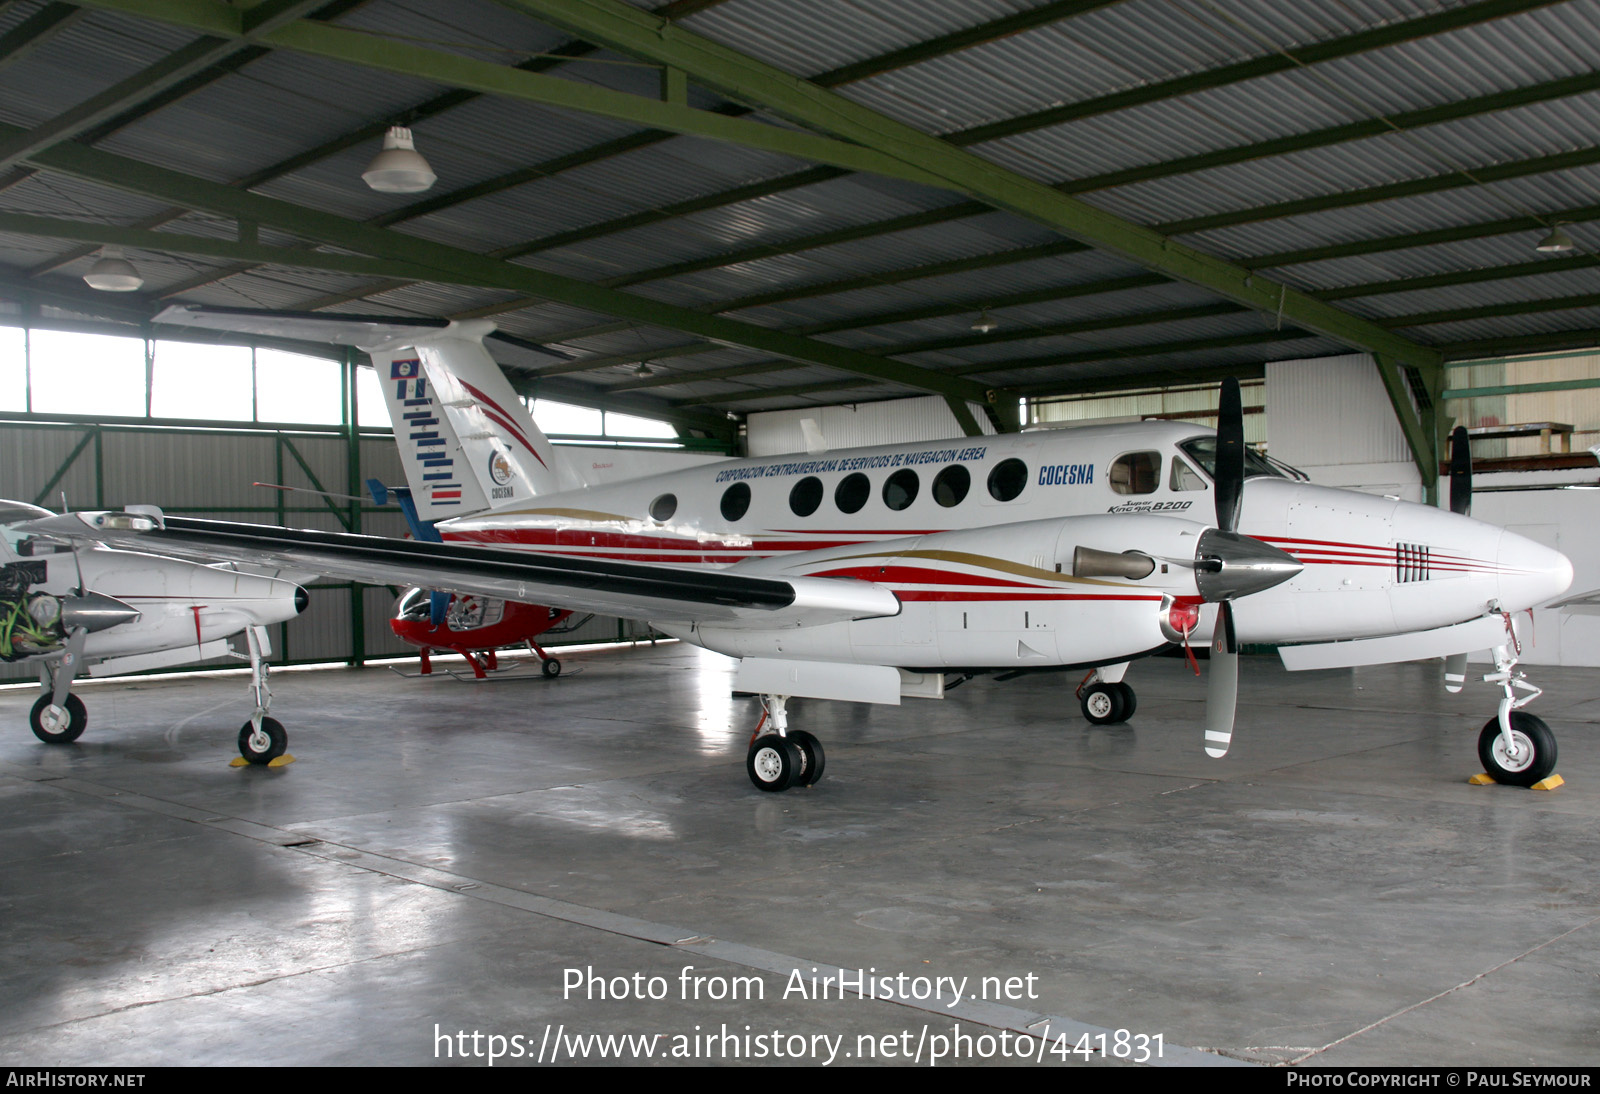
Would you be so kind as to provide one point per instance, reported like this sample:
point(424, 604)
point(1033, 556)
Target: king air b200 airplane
point(871, 574)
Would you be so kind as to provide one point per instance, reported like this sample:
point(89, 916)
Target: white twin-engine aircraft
point(870, 574)
point(102, 612)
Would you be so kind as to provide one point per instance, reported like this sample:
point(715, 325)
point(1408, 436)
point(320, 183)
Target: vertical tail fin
point(467, 442)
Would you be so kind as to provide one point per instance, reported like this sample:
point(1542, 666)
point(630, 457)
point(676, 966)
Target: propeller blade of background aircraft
point(1455, 672)
point(1230, 455)
point(1460, 472)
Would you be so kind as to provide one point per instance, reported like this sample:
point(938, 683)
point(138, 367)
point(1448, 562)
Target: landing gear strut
point(1517, 749)
point(59, 717)
point(782, 758)
point(261, 739)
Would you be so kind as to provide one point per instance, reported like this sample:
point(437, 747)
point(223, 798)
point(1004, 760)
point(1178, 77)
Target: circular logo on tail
point(500, 469)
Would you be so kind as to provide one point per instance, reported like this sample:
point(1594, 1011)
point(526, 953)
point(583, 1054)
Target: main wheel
point(1130, 702)
point(551, 667)
point(1104, 705)
point(812, 758)
point(265, 747)
point(772, 763)
point(1529, 757)
point(58, 725)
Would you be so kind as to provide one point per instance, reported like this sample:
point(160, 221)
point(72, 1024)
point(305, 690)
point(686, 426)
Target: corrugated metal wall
point(1330, 411)
point(897, 421)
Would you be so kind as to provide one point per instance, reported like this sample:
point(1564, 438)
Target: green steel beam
point(1535, 268)
point(872, 66)
point(1491, 311)
point(1433, 237)
point(1278, 61)
point(1122, 353)
point(194, 58)
point(1553, 89)
point(869, 141)
point(678, 378)
point(1321, 203)
point(1519, 389)
point(1419, 429)
point(778, 392)
point(455, 70)
point(438, 104)
point(133, 176)
point(1521, 343)
point(1162, 379)
point(37, 29)
point(1052, 330)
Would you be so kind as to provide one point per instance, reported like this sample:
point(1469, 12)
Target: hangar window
point(806, 496)
point(951, 485)
point(736, 501)
point(900, 489)
point(1136, 473)
point(852, 493)
point(1007, 480)
point(663, 507)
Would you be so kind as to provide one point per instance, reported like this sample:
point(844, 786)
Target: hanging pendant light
point(399, 168)
point(113, 273)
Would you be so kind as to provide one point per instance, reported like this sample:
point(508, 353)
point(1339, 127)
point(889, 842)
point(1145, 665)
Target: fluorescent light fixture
point(399, 168)
point(113, 273)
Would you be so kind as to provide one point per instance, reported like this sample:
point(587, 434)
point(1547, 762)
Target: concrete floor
point(1333, 893)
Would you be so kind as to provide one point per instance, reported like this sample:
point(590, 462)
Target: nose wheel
point(1515, 747)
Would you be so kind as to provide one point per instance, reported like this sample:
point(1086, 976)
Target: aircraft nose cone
point(301, 599)
point(1530, 573)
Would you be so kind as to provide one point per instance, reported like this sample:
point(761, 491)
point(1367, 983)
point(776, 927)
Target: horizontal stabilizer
point(1480, 634)
point(361, 331)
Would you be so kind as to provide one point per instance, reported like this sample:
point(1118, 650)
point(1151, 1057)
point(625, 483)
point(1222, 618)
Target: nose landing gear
point(1516, 748)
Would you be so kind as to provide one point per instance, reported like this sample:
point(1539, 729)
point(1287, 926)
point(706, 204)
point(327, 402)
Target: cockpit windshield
point(1203, 450)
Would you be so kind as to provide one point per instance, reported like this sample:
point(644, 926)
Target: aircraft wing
point(633, 590)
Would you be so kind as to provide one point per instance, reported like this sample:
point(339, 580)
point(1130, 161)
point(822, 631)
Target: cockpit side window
point(1203, 450)
point(1183, 477)
point(1136, 473)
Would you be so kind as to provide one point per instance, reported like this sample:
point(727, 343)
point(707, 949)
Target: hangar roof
point(712, 206)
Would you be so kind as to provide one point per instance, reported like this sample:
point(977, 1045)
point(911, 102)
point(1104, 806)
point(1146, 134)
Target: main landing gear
point(782, 757)
point(1105, 699)
point(1516, 748)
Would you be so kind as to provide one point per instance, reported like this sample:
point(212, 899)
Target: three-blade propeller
point(1229, 565)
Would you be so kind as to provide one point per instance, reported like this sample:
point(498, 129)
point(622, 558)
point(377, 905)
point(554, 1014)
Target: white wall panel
point(1331, 417)
point(899, 421)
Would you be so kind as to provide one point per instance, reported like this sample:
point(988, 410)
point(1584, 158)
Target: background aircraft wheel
point(277, 741)
point(812, 758)
point(1130, 702)
point(551, 667)
point(58, 725)
point(1103, 704)
point(1532, 757)
point(772, 763)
